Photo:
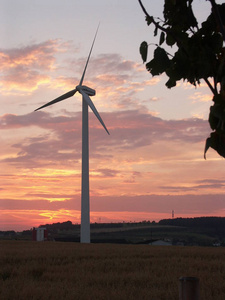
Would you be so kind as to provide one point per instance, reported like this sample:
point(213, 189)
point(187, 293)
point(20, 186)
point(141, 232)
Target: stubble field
point(53, 270)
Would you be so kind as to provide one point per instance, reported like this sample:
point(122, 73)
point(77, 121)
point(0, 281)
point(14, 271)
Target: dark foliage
point(199, 55)
point(201, 222)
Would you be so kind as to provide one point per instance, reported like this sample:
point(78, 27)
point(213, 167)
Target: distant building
point(39, 234)
point(160, 243)
point(217, 244)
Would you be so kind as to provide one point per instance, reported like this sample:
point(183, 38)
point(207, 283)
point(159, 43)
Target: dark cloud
point(106, 173)
point(115, 78)
point(197, 185)
point(210, 186)
point(182, 204)
point(185, 204)
point(39, 205)
point(191, 187)
point(128, 130)
point(110, 63)
point(212, 181)
point(178, 188)
point(41, 119)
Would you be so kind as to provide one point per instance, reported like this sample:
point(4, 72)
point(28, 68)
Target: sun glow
point(52, 173)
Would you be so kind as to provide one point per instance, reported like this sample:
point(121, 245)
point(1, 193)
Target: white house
point(39, 234)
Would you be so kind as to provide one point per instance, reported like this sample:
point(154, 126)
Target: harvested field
point(53, 270)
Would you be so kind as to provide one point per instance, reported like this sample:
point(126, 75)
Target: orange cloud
point(39, 56)
point(198, 96)
point(24, 69)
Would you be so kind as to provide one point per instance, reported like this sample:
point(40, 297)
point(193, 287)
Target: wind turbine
point(86, 102)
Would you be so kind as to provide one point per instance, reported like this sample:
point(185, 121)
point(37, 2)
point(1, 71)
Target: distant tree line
point(68, 225)
point(203, 222)
point(9, 233)
point(60, 226)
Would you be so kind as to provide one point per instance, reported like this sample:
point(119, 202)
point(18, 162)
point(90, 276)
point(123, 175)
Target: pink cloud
point(111, 63)
point(128, 129)
point(37, 56)
point(24, 69)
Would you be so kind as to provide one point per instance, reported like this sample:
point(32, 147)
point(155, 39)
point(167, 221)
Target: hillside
point(204, 231)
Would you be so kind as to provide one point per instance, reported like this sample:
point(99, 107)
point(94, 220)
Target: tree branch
point(152, 19)
point(179, 42)
point(210, 86)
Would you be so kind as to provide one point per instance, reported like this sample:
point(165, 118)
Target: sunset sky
point(152, 161)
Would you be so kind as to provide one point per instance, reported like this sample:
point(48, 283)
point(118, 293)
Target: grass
point(51, 270)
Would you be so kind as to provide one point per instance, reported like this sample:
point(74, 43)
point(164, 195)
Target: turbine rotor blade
point(63, 97)
point(91, 104)
point(82, 78)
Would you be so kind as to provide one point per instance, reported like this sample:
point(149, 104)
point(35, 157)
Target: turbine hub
point(86, 90)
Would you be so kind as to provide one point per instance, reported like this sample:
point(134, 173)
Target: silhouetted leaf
point(213, 121)
point(170, 39)
point(159, 63)
point(144, 51)
point(217, 116)
point(156, 31)
point(217, 142)
point(171, 83)
point(162, 38)
point(149, 20)
point(207, 146)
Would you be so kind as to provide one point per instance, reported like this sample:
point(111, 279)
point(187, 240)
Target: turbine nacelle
point(86, 90)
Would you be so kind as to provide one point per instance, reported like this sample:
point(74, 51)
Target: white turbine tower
point(86, 101)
